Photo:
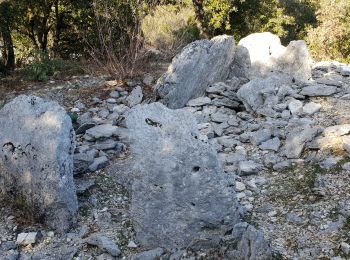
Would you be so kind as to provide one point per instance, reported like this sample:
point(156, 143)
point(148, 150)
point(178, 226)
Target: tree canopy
point(72, 29)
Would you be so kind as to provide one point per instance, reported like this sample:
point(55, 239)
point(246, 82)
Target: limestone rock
point(102, 131)
point(251, 244)
point(311, 108)
point(135, 97)
point(200, 64)
point(295, 106)
point(272, 144)
point(297, 138)
point(318, 90)
point(24, 239)
point(267, 55)
point(255, 93)
point(153, 254)
point(104, 244)
point(200, 101)
point(36, 159)
point(178, 182)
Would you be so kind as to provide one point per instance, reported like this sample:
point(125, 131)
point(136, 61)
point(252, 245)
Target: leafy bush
point(170, 27)
point(331, 39)
point(42, 66)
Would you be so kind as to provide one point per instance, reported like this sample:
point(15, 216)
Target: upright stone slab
point(36, 160)
point(180, 194)
point(266, 54)
point(200, 64)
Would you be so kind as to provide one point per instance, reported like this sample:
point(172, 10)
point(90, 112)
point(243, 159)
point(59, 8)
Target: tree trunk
point(8, 44)
point(200, 15)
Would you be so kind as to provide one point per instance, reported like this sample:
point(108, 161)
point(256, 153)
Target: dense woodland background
point(41, 37)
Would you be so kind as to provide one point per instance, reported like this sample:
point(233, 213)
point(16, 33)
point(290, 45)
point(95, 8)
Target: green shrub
point(42, 66)
point(170, 27)
point(331, 39)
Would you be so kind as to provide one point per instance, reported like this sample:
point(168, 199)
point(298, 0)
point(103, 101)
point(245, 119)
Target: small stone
point(8, 245)
point(24, 239)
point(240, 195)
point(104, 244)
point(120, 109)
point(295, 107)
point(345, 71)
point(248, 168)
point(311, 108)
point(346, 166)
point(318, 90)
point(272, 144)
point(219, 117)
point(330, 162)
point(147, 79)
point(84, 127)
point(75, 110)
point(285, 114)
point(99, 163)
point(132, 244)
point(135, 97)
point(153, 254)
point(114, 94)
point(102, 131)
point(260, 136)
point(240, 186)
point(111, 100)
point(272, 213)
point(345, 247)
point(201, 101)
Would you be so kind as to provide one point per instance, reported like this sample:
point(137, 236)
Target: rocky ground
point(285, 151)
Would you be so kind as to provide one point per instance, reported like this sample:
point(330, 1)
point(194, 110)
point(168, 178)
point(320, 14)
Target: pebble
point(240, 186)
point(24, 239)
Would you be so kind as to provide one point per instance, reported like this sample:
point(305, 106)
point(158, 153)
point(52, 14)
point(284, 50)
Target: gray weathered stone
point(297, 138)
point(260, 136)
point(36, 160)
point(267, 55)
point(295, 106)
point(135, 97)
point(345, 71)
point(272, 144)
point(104, 244)
point(98, 163)
point(318, 90)
point(251, 244)
point(200, 101)
point(254, 93)
point(248, 168)
point(200, 64)
point(153, 254)
point(102, 131)
point(311, 108)
point(24, 239)
point(180, 195)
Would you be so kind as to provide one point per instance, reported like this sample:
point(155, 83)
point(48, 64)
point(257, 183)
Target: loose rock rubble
point(280, 128)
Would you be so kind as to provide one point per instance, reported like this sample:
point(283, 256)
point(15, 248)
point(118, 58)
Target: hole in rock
point(196, 169)
point(152, 122)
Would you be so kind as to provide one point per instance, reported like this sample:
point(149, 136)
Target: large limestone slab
point(200, 64)
point(266, 54)
point(180, 194)
point(36, 160)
